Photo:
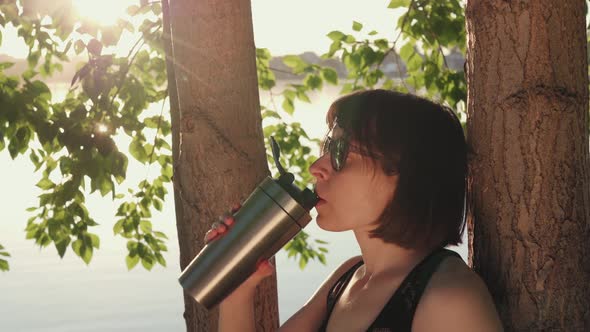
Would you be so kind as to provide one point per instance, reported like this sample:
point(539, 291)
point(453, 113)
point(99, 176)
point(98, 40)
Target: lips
point(321, 199)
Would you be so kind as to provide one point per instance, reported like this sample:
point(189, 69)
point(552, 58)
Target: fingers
point(235, 208)
point(210, 235)
point(265, 268)
point(216, 230)
point(222, 225)
point(228, 220)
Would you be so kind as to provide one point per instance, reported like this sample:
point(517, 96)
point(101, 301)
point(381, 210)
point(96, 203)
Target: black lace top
point(398, 313)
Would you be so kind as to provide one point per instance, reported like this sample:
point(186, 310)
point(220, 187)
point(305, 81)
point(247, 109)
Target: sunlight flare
point(104, 12)
point(101, 128)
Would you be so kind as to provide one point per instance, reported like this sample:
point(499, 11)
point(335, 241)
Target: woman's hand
point(264, 268)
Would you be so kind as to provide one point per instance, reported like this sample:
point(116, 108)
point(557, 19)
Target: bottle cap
point(306, 197)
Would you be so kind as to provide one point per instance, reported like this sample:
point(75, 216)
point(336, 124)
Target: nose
point(320, 169)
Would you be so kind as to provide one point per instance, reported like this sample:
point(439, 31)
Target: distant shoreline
point(392, 66)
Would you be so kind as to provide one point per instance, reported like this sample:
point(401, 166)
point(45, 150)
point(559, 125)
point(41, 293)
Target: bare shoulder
point(322, 291)
point(456, 299)
point(312, 314)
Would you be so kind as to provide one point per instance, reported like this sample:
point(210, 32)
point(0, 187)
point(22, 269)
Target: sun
point(104, 12)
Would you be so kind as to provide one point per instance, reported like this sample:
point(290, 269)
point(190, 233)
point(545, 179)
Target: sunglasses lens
point(339, 151)
point(326, 145)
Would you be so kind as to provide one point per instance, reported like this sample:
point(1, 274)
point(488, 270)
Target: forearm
point(236, 313)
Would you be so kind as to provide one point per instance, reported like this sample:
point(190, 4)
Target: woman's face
point(355, 196)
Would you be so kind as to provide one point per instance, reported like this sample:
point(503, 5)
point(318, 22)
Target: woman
point(393, 170)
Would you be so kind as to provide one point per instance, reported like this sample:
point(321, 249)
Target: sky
point(284, 27)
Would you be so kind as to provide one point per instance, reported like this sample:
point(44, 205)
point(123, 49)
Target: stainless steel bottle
point(271, 216)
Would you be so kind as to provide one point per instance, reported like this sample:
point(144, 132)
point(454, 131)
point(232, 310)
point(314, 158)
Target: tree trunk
point(222, 153)
point(528, 126)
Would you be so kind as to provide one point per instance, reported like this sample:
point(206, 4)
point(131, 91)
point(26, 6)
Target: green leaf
point(334, 47)
point(33, 58)
point(118, 227)
point(160, 234)
point(388, 84)
point(131, 261)
point(45, 184)
point(77, 247)
point(356, 26)
point(147, 262)
point(160, 259)
point(302, 262)
point(95, 240)
point(152, 122)
point(86, 254)
point(157, 204)
point(61, 246)
point(270, 114)
point(167, 171)
point(372, 33)
point(295, 62)
point(4, 265)
point(314, 82)
point(138, 151)
point(145, 226)
point(288, 106)
point(382, 44)
point(330, 75)
point(336, 36)
point(6, 65)
point(407, 51)
point(398, 3)
point(106, 186)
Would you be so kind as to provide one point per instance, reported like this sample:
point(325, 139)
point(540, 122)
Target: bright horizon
point(278, 24)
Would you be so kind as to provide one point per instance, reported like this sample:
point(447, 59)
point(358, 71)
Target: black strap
point(335, 291)
point(399, 312)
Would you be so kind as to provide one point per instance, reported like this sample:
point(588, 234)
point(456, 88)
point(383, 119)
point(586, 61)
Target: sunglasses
point(338, 148)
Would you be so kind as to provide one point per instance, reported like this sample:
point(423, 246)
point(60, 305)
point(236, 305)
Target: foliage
point(3, 262)
point(72, 141)
point(74, 137)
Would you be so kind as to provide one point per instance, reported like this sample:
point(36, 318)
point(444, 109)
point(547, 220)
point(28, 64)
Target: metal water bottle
point(271, 216)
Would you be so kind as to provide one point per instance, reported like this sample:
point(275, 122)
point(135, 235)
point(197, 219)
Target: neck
point(381, 258)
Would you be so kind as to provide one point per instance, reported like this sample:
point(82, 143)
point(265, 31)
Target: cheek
point(378, 194)
point(363, 204)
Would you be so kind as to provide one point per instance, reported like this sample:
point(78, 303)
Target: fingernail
point(229, 220)
point(221, 228)
point(210, 235)
point(236, 207)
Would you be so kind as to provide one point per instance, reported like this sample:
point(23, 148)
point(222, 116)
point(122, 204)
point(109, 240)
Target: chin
point(327, 225)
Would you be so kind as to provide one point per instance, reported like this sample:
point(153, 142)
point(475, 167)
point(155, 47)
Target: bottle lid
point(306, 197)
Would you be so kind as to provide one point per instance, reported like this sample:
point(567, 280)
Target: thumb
point(265, 268)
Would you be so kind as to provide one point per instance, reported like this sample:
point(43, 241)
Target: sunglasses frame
point(338, 149)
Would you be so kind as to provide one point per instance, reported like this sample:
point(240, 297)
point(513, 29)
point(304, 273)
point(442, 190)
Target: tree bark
point(530, 176)
point(222, 153)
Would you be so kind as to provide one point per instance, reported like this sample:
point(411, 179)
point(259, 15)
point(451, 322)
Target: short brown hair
point(423, 142)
